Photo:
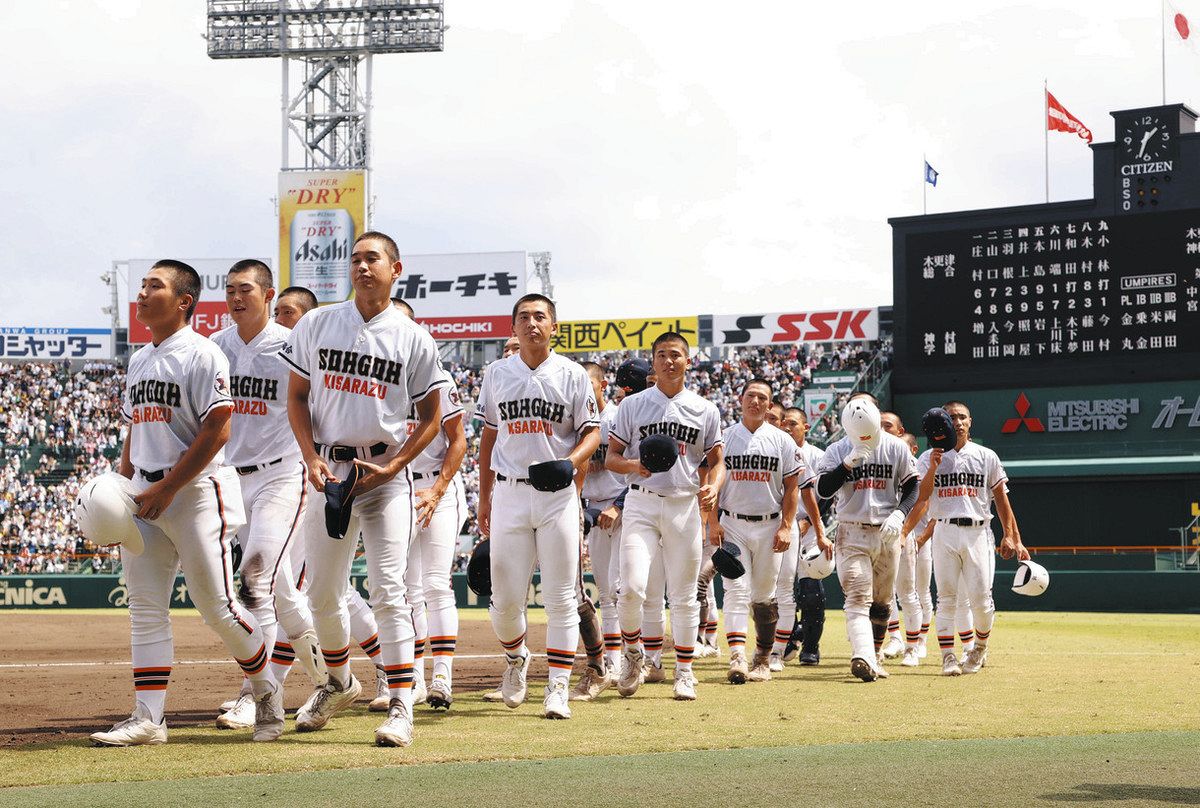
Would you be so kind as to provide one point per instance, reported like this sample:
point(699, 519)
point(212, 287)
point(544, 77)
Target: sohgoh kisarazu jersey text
point(963, 482)
point(537, 413)
point(449, 405)
point(603, 485)
point(871, 491)
point(756, 465)
point(691, 421)
point(259, 431)
point(364, 376)
point(169, 390)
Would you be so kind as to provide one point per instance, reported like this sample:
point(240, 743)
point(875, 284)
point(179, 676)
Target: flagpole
point(924, 182)
point(1046, 134)
point(1162, 35)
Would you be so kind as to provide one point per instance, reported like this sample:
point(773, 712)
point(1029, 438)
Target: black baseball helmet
point(727, 560)
point(631, 375)
point(939, 429)
point(658, 453)
point(479, 570)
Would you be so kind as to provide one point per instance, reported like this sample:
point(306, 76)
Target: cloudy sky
point(676, 156)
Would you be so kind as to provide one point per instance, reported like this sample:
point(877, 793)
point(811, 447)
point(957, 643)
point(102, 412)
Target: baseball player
point(959, 488)
point(541, 428)
point(264, 454)
point(873, 476)
point(441, 511)
point(178, 408)
point(662, 510)
point(756, 511)
point(358, 368)
point(293, 303)
point(906, 600)
point(792, 588)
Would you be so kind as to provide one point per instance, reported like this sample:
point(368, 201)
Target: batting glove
point(892, 527)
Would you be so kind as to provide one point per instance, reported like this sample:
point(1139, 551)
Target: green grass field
point(1091, 708)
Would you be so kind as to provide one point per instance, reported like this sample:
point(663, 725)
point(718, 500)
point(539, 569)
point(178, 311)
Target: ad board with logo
point(43, 344)
point(837, 325)
point(320, 214)
point(464, 296)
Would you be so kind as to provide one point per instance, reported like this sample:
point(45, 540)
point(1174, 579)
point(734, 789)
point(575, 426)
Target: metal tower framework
point(325, 47)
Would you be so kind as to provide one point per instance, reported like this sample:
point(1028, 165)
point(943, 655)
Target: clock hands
point(1145, 139)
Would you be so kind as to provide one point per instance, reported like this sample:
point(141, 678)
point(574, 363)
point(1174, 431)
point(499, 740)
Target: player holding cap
point(875, 481)
point(178, 407)
point(662, 510)
point(905, 600)
point(357, 369)
point(540, 429)
point(959, 486)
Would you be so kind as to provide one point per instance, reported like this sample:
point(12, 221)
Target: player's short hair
point(534, 297)
point(799, 411)
point(866, 395)
point(389, 244)
point(262, 273)
point(910, 439)
point(591, 366)
point(764, 383)
point(185, 280)
point(304, 295)
point(402, 304)
point(670, 336)
point(956, 403)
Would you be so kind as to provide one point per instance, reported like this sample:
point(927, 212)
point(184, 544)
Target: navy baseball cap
point(632, 375)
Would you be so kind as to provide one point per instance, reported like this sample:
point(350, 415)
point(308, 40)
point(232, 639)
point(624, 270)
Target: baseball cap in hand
point(338, 503)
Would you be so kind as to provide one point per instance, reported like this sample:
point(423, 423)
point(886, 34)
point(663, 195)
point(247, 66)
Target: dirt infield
point(65, 675)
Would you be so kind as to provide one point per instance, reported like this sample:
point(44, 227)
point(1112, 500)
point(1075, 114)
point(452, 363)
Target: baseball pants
point(666, 528)
point(924, 575)
point(756, 540)
point(963, 561)
point(536, 527)
point(906, 590)
point(193, 534)
point(866, 568)
point(604, 550)
point(785, 585)
point(428, 579)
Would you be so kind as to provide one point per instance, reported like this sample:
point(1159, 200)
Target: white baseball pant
point(906, 590)
point(604, 551)
point(756, 540)
point(866, 568)
point(964, 561)
point(428, 580)
point(924, 574)
point(785, 584)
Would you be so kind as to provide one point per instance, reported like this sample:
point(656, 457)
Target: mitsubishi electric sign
point(1074, 415)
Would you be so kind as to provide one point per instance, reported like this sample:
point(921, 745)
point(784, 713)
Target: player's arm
point(300, 419)
point(716, 477)
point(924, 492)
point(213, 434)
point(926, 534)
point(428, 425)
point(1011, 544)
point(617, 462)
point(585, 447)
point(125, 469)
point(791, 502)
point(456, 449)
point(483, 513)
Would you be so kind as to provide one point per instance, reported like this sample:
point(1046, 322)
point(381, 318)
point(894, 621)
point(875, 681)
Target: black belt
point(153, 476)
point(244, 470)
point(749, 517)
point(645, 490)
point(346, 454)
point(504, 479)
point(963, 521)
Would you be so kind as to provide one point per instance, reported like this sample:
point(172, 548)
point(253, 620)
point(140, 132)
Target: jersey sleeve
point(294, 352)
point(712, 428)
point(906, 467)
point(923, 464)
point(487, 409)
point(793, 463)
point(423, 373)
point(622, 425)
point(995, 471)
point(126, 405)
point(452, 404)
point(833, 457)
point(208, 387)
point(583, 398)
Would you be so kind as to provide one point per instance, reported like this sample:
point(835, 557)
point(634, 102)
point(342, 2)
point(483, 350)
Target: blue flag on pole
point(930, 175)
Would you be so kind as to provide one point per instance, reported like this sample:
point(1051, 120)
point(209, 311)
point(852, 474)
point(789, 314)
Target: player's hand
point(607, 519)
point(858, 455)
point(925, 536)
point(708, 497)
point(642, 471)
point(1011, 546)
point(372, 477)
point(716, 533)
point(319, 473)
point(935, 459)
point(825, 545)
point(783, 539)
point(427, 502)
point(483, 517)
point(892, 527)
point(804, 525)
point(153, 501)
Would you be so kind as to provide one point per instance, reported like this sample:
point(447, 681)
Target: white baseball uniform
point(601, 488)
point(170, 389)
point(789, 565)
point(364, 378)
point(866, 562)
point(757, 464)
point(539, 415)
point(662, 512)
point(963, 545)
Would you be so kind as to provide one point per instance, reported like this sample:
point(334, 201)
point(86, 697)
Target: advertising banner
point(320, 214)
point(838, 325)
point(817, 403)
point(28, 342)
point(837, 379)
point(464, 296)
point(629, 334)
point(210, 316)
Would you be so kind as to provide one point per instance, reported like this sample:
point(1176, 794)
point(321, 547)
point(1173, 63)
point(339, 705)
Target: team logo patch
point(455, 398)
point(221, 385)
point(591, 406)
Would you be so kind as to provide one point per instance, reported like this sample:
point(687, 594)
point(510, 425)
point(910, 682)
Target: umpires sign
point(20, 342)
point(838, 325)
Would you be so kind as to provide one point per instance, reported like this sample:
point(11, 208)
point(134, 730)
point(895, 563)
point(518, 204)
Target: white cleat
point(494, 696)
point(922, 649)
point(591, 684)
point(419, 691)
point(555, 704)
point(880, 670)
point(703, 650)
point(950, 666)
point(631, 674)
point(226, 706)
point(241, 716)
point(893, 647)
point(325, 703)
point(383, 694)
point(974, 660)
point(268, 715)
point(685, 686)
point(513, 687)
point(738, 669)
point(440, 696)
point(397, 730)
point(775, 663)
point(761, 670)
point(863, 669)
point(653, 671)
point(966, 652)
point(136, 730)
point(911, 658)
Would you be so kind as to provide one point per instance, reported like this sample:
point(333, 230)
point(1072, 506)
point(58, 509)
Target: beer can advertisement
point(320, 215)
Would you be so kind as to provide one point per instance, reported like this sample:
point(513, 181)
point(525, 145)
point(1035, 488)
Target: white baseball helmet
point(105, 510)
point(816, 565)
point(1031, 579)
point(860, 419)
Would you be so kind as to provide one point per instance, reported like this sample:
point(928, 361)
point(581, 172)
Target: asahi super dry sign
point(320, 214)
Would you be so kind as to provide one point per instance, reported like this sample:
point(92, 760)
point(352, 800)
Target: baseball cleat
point(136, 730)
point(880, 671)
point(241, 716)
point(894, 647)
point(911, 658)
point(775, 663)
point(496, 695)
point(790, 651)
point(325, 703)
point(631, 675)
point(863, 669)
point(974, 660)
point(268, 715)
point(419, 691)
point(922, 650)
point(397, 730)
point(810, 657)
point(591, 684)
point(950, 666)
point(685, 686)
point(738, 669)
point(966, 651)
point(440, 697)
point(513, 687)
point(226, 706)
point(760, 671)
point(704, 649)
point(654, 671)
point(383, 694)
point(555, 704)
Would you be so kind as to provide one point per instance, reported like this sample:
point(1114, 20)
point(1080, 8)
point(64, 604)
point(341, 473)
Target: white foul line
point(126, 664)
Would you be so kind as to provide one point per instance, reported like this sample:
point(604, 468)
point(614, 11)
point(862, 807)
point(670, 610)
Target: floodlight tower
point(322, 44)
